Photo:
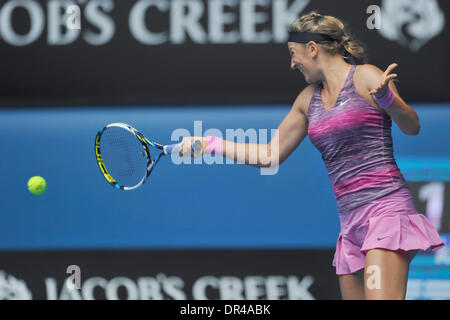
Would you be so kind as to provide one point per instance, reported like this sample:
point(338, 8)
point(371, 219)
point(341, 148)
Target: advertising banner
point(167, 275)
point(141, 52)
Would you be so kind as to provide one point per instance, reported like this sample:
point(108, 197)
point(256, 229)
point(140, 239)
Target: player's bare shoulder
point(304, 98)
point(367, 76)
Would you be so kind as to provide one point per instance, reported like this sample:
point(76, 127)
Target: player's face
point(302, 60)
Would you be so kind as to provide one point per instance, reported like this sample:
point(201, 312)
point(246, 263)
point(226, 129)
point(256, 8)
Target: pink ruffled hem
point(401, 232)
point(348, 258)
point(391, 232)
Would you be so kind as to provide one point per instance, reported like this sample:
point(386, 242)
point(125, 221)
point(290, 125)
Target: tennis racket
point(124, 157)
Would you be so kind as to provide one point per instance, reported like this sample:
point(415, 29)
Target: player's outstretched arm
point(290, 133)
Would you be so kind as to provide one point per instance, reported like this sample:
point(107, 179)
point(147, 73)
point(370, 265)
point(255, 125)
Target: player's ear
point(312, 48)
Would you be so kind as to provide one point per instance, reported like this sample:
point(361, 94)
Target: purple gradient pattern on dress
point(355, 141)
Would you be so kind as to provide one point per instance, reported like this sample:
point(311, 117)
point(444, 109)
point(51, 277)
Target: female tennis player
point(347, 111)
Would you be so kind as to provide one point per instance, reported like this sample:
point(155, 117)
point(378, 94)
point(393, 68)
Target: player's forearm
point(257, 155)
point(405, 117)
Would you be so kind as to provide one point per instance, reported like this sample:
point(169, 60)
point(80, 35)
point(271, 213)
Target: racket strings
point(123, 156)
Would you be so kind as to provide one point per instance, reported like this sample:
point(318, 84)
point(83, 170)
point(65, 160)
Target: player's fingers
point(386, 81)
point(392, 76)
point(191, 143)
point(390, 68)
point(186, 146)
point(374, 91)
point(184, 143)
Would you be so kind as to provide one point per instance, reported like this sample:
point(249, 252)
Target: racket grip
point(171, 148)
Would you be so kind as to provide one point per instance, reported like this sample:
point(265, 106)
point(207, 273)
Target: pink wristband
point(214, 146)
point(387, 100)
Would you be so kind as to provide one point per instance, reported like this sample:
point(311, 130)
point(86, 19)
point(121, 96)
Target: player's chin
point(305, 75)
point(307, 79)
point(311, 79)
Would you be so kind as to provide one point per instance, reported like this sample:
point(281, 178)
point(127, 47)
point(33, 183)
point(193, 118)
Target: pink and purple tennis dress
point(375, 205)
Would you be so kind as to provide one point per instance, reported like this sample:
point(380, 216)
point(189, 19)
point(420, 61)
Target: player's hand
point(382, 88)
point(186, 146)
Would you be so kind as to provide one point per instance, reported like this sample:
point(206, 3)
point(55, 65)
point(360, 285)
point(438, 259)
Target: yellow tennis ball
point(37, 185)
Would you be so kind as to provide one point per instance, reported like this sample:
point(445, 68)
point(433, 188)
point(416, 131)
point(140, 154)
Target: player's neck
point(334, 71)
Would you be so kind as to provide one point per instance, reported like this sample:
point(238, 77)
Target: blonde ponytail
point(342, 43)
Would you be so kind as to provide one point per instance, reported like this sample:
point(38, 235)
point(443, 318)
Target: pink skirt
point(390, 222)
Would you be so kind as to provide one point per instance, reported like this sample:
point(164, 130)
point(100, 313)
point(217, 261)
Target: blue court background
point(182, 206)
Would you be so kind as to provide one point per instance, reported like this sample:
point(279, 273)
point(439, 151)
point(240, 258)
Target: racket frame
point(145, 143)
